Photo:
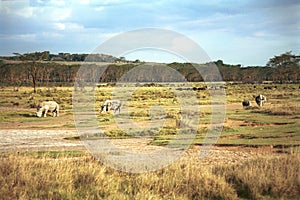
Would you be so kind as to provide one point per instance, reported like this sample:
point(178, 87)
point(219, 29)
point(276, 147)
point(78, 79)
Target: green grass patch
point(276, 123)
point(11, 116)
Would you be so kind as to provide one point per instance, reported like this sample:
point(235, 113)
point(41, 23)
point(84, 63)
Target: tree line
point(64, 57)
point(284, 68)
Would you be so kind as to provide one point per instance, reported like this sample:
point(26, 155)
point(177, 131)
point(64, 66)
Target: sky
point(246, 32)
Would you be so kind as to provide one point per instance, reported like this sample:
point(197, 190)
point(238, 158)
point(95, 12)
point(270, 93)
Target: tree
point(286, 66)
point(284, 60)
point(32, 67)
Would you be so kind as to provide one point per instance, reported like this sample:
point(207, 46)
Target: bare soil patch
point(12, 140)
point(17, 140)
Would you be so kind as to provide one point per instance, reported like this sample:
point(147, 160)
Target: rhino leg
point(46, 110)
point(57, 111)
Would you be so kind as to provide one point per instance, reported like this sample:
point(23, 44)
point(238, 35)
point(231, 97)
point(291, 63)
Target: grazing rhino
point(46, 106)
point(260, 100)
point(114, 105)
point(246, 103)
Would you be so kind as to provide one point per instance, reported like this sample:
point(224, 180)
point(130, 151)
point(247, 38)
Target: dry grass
point(82, 177)
point(265, 178)
point(288, 110)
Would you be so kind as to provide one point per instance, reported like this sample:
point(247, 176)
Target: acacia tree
point(284, 60)
point(32, 67)
point(286, 65)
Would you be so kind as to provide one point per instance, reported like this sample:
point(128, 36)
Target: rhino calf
point(246, 103)
point(46, 106)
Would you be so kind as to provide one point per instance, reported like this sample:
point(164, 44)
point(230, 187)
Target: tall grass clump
point(265, 178)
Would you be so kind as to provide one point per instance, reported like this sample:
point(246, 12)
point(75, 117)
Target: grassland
point(276, 124)
point(76, 175)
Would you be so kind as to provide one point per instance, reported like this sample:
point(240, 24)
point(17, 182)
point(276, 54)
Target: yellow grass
point(82, 177)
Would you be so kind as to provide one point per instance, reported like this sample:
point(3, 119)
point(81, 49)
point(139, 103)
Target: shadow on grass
point(27, 115)
point(73, 138)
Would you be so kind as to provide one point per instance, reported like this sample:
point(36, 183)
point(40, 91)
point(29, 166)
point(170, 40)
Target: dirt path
point(30, 140)
point(18, 140)
point(12, 140)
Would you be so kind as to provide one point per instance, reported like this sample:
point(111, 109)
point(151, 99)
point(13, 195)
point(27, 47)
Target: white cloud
point(56, 3)
point(213, 21)
point(227, 32)
point(51, 35)
point(59, 26)
point(23, 37)
point(4, 9)
point(59, 14)
point(259, 34)
point(109, 2)
point(99, 8)
point(13, 7)
point(27, 37)
point(52, 10)
point(84, 2)
point(67, 26)
point(26, 12)
point(74, 27)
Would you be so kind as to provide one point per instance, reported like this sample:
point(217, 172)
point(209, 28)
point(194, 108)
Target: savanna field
point(257, 155)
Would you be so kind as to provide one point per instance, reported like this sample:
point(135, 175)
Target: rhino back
point(52, 105)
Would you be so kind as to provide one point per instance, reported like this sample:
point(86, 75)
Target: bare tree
point(33, 67)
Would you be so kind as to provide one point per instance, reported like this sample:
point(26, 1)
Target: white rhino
point(114, 105)
point(260, 100)
point(46, 106)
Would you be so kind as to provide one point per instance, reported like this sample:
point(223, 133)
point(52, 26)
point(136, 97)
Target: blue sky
point(246, 32)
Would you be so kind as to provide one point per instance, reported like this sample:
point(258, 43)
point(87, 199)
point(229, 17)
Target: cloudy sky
point(246, 32)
